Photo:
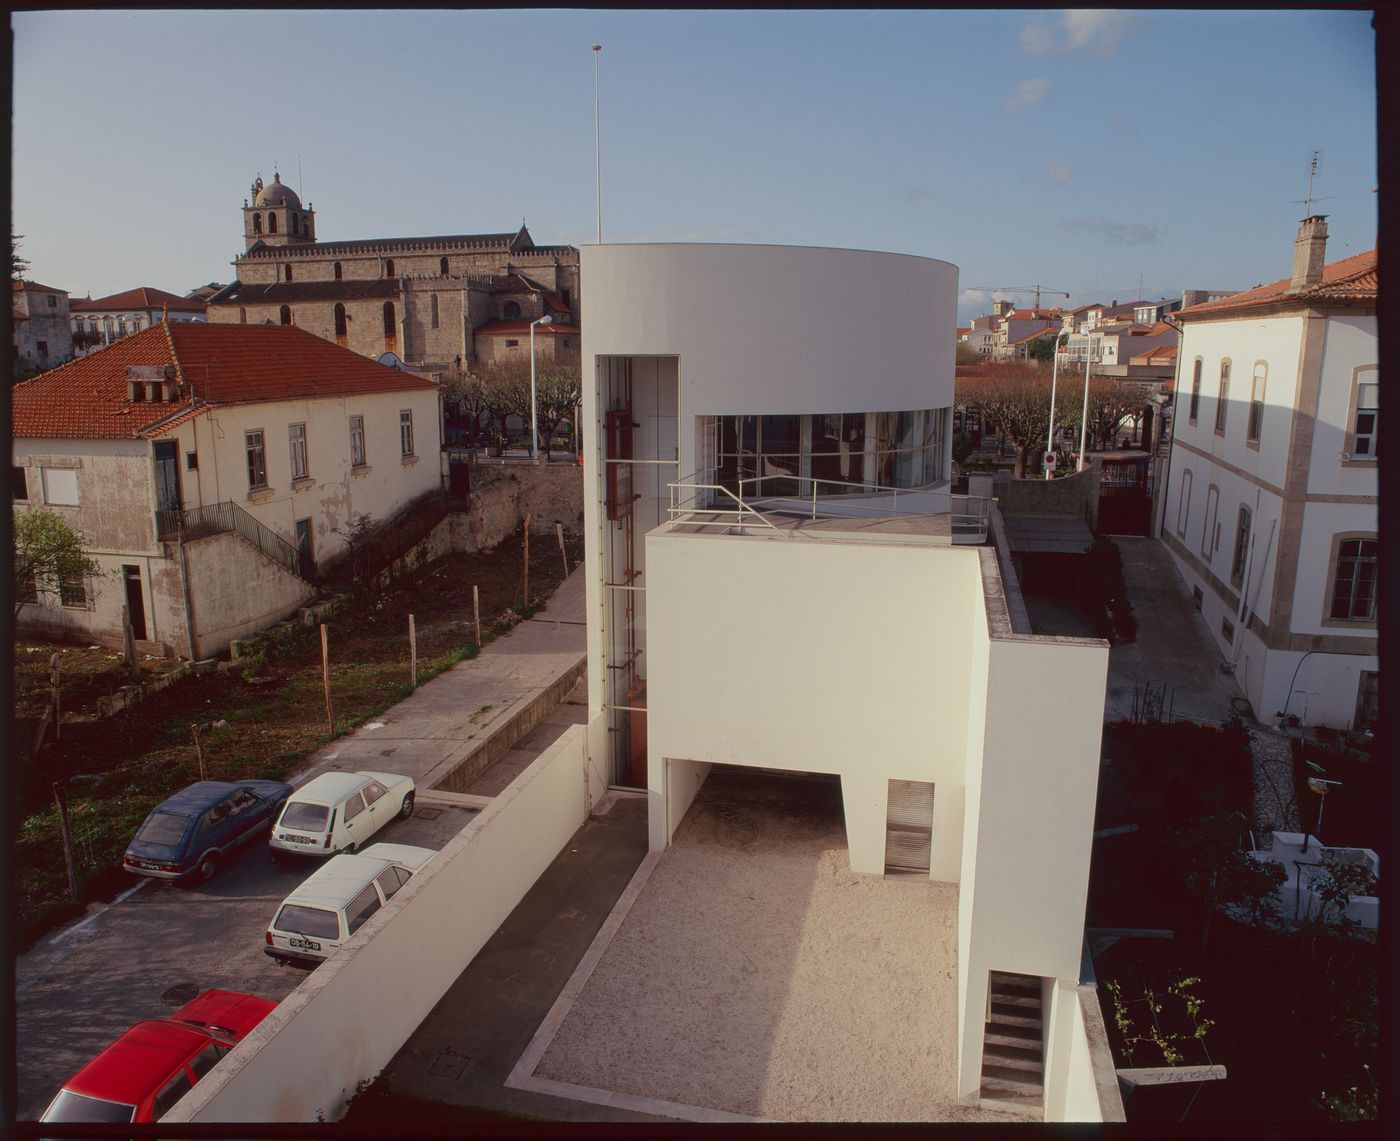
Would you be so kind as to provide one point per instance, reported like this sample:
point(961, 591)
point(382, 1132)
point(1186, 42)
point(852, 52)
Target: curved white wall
point(778, 329)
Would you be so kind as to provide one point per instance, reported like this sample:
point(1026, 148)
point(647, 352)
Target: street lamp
point(534, 418)
point(1084, 417)
point(597, 149)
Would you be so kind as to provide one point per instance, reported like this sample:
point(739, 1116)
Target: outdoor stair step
point(990, 1099)
point(1027, 1000)
point(1013, 1083)
point(1028, 983)
point(1020, 1037)
point(1011, 1057)
point(1014, 1017)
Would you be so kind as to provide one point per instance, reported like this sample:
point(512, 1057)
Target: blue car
point(185, 837)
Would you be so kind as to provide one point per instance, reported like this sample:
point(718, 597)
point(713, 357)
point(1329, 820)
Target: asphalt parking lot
point(150, 951)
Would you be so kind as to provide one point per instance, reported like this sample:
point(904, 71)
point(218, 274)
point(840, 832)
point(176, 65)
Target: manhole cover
point(179, 994)
point(428, 813)
point(449, 1064)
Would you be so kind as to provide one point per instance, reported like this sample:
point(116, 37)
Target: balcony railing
point(217, 518)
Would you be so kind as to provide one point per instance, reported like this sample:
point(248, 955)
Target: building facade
point(98, 322)
point(211, 471)
point(439, 304)
point(1271, 514)
point(42, 337)
point(776, 580)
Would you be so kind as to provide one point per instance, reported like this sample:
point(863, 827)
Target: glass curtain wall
point(838, 454)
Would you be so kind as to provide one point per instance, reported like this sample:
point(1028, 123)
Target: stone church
point(437, 304)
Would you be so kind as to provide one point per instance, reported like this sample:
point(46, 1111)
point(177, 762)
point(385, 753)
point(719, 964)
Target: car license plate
point(296, 839)
point(146, 864)
point(304, 944)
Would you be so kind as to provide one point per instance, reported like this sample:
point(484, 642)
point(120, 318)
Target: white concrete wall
point(829, 657)
point(235, 590)
point(1078, 1098)
point(351, 1015)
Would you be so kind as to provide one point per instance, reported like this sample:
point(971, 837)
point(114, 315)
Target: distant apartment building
point(99, 322)
point(439, 304)
point(40, 320)
point(780, 578)
point(1271, 513)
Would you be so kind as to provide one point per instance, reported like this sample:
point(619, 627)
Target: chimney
point(1308, 252)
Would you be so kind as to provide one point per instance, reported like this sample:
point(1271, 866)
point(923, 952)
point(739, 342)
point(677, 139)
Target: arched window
point(389, 268)
point(442, 266)
point(337, 271)
point(257, 223)
point(287, 271)
point(340, 320)
point(1256, 402)
point(433, 306)
point(272, 223)
point(286, 314)
point(296, 223)
point(242, 315)
point(389, 329)
point(511, 310)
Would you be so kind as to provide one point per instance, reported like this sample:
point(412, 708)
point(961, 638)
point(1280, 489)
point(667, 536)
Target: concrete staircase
point(1013, 1064)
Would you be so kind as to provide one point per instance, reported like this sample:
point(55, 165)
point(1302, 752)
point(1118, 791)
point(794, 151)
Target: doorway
point(135, 601)
point(305, 560)
point(167, 476)
point(909, 826)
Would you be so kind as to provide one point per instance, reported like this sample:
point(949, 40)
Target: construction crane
point(1019, 289)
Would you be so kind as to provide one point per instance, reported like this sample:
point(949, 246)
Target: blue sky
point(1082, 150)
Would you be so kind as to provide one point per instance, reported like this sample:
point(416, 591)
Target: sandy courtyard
point(756, 974)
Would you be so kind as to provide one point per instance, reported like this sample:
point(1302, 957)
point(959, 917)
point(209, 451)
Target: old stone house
point(439, 304)
point(41, 334)
point(212, 469)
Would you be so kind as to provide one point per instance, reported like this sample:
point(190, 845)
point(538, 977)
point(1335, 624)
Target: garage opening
point(909, 826)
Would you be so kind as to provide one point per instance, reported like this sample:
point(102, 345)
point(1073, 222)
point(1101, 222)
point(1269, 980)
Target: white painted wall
point(350, 1016)
point(236, 590)
point(838, 658)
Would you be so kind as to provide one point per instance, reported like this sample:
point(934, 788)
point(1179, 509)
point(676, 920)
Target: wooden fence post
point(526, 589)
point(326, 678)
point(129, 643)
point(53, 694)
point(412, 655)
point(68, 857)
point(198, 748)
point(563, 554)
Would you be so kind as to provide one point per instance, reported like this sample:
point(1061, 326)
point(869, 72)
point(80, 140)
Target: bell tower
point(276, 216)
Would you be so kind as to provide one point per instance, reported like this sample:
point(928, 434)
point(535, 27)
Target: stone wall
point(1074, 495)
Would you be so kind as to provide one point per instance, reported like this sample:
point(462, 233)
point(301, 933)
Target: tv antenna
point(1307, 203)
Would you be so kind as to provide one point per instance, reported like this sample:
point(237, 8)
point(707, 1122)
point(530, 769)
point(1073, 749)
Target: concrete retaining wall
point(353, 1013)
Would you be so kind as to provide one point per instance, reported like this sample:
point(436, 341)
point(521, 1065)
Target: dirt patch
point(259, 718)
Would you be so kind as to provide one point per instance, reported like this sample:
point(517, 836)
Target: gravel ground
point(757, 974)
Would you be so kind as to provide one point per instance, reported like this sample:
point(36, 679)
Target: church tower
point(277, 217)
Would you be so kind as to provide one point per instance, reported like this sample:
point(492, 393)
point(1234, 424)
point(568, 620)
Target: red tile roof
point(1159, 355)
point(1352, 279)
point(34, 286)
point(143, 297)
point(218, 365)
point(524, 328)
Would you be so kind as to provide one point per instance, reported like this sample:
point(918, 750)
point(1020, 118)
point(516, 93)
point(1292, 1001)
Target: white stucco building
point(779, 578)
point(101, 321)
point(211, 469)
point(1271, 514)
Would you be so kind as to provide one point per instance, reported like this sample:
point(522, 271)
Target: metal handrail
point(740, 511)
point(217, 518)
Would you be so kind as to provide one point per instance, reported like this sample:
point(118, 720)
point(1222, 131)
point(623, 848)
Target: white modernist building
point(1271, 511)
point(779, 578)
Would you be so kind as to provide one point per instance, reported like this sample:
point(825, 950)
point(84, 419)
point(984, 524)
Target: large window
point(257, 459)
point(1366, 415)
point(72, 590)
point(60, 486)
point(1195, 391)
point(406, 432)
point(1223, 402)
point(1256, 402)
point(19, 487)
point(1183, 506)
point(1241, 556)
point(357, 441)
point(1355, 568)
point(297, 438)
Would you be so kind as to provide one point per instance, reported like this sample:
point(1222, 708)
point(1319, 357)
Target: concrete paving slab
point(1173, 646)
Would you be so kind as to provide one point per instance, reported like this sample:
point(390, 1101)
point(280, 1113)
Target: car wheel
point(208, 865)
point(349, 849)
point(406, 809)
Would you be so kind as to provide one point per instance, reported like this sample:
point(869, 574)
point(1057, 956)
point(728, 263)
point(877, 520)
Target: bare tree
point(1016, 399)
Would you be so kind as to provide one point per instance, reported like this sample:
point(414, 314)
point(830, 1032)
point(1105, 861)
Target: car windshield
point(296, 919)
point(163, 828)
point(305, 817)
point(75, 1107)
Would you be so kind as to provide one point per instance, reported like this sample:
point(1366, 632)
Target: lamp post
point(1084, 417)
point(597, 149)
point(534, 418)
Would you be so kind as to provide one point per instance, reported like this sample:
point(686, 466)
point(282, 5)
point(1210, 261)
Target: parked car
point(155, 1063)
point(336, 899)
point(186, 836)
point(340, 811)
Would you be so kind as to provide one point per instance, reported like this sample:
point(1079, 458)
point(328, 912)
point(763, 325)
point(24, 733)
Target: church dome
point(275, 194)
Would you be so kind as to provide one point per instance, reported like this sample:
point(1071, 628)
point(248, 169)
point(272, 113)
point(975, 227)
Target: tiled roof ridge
point(1336, 276)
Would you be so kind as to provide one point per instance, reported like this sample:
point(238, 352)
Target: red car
point(154, 1064)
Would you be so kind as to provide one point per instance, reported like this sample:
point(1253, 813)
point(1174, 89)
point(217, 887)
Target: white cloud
point(1096, 31)
point(1027, 92)
point(1058, 171)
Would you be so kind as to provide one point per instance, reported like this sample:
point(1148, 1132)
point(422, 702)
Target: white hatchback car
point(335, 900)
point(340, 812)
